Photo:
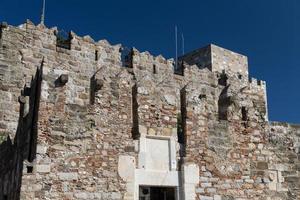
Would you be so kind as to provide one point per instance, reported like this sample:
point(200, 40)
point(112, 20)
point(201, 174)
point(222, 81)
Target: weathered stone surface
point(87, 139)
point(43, 168)
point(68, 176)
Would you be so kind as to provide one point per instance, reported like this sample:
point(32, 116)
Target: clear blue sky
point(267, 31)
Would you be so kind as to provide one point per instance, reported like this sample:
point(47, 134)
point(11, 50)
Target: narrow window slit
point(154, 69)
point(181, 122)
point(244, 114)
point(96, 55)
point(134, 113)
point(223, 104)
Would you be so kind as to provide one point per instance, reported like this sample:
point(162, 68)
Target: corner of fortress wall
point(100, 103)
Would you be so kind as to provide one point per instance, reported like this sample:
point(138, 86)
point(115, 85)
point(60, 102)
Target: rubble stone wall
point(93, 111)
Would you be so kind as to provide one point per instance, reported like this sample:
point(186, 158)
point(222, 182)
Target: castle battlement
point(86, 119)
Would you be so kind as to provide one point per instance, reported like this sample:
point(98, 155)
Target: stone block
point(143, 90)
point(42, 168)
point(81, 195)
point(170, 99)
point(211, 190)
point(199, 190)
point(151, 131)
point(129, 149)
point(41, 149)
point(167, 131)
point(206, 185)
point(143, 130)
point(203, 179)
point(262, 165)
point(260, 146)
point(273, 186)
point(191, 173)
point(201, 197)
point(68, 176)
point(217, 197)
point(126, 167)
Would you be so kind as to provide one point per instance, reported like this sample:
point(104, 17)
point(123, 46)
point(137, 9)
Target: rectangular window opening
point(157, 193)
point(63, 40)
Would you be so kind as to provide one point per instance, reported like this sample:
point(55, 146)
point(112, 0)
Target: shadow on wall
point(13, 153)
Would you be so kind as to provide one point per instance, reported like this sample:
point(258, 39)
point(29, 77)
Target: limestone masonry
point(81, 119)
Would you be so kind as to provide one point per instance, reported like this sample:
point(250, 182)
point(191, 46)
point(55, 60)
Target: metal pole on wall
point(176, 46)
point(43, 13)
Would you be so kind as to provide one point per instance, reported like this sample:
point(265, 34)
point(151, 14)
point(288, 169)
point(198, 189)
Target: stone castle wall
point(96, 107)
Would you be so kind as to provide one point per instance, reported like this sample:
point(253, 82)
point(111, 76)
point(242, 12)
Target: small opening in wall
point(126, 57)
point(63, 39)
point(61, 80)
point(202, 96)
point(96, 55)
point(259, 82)
point(180, 130)
point(180, 68)
point(223, 79)
point(29, 169)
point(244, 114)
point(5, 197)
point(154, 69)
point(95, 86)
point(240, 76)
point(223, 104)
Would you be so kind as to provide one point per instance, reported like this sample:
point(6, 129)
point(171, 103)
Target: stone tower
point(81, 119)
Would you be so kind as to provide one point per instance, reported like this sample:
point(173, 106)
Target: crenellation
point(109, 122)
point(255, 83)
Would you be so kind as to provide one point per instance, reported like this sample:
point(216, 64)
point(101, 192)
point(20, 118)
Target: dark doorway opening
point(157, 193)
